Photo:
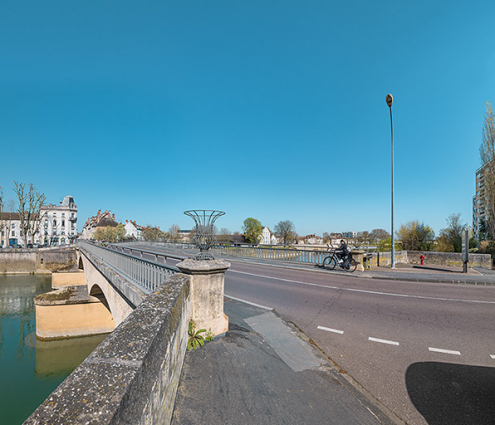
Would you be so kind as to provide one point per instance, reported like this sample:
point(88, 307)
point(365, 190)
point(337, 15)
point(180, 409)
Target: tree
point(416, 236)
point(252, 230)
point(151, 233)
point(286, 231)
point(224, 231)
point(29, 208)
point(450, 238)
point(379, 234)
point(174, 232)
point(487, 157)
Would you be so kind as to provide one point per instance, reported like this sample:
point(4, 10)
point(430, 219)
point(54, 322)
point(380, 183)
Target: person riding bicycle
point(342, 251)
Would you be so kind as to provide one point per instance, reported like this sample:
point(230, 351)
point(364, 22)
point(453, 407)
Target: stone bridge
point(132, 376)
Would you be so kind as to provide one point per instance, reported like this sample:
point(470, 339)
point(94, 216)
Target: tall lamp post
point(390, 99)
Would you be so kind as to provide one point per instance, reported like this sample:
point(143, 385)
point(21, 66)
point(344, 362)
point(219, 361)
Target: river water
point(31, 369)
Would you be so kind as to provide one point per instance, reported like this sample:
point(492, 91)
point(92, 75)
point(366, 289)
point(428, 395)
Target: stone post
point(359, 257)
point(207, 289)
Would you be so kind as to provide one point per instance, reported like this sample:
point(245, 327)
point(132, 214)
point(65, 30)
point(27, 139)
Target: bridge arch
point(100, 287)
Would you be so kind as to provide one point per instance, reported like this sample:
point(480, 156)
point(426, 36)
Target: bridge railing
point(144, 273)
point(300, 256)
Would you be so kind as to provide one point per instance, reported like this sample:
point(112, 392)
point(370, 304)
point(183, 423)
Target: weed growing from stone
point(196, 340)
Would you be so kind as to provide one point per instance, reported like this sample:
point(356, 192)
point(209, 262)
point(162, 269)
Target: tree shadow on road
point(446, 393)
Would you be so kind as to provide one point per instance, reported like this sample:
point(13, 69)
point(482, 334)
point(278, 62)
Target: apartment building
point(480, 212)
point(57, 226)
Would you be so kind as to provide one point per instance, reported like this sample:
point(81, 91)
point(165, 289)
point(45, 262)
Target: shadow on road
point(447, 393)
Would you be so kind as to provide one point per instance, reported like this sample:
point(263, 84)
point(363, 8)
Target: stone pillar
point(359, 257)
point(207, 288)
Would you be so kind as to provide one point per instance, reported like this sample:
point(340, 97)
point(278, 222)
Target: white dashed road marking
point(331, 330)
point(441, 350)
point(383, 341)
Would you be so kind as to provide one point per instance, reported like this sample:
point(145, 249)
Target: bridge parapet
point(132, 376)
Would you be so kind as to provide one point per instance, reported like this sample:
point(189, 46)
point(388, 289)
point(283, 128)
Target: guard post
point(465, 250)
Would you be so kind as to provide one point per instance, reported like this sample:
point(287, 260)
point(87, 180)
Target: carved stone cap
point(190, 266)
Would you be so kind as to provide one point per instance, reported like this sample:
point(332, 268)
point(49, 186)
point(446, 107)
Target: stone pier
point(207, 289)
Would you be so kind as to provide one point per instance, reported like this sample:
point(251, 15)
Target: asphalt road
point(425, 350)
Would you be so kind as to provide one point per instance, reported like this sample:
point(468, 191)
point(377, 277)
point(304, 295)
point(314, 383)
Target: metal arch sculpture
point(204, 238)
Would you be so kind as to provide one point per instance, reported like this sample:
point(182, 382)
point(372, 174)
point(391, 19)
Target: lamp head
point(389, 99)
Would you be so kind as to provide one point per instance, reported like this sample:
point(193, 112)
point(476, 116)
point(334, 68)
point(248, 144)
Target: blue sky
point(273, 110)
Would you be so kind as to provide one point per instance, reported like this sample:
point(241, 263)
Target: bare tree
point(286, 230)
point(29, 208)
point(487, 156)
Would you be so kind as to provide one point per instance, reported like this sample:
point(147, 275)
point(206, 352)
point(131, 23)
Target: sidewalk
point(263, 371)
point(432, 273)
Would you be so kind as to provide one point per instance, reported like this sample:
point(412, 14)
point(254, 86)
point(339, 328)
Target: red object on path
point(422, 258)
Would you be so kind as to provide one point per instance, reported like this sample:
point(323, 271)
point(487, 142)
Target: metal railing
point(146, 274)
point(277, 254)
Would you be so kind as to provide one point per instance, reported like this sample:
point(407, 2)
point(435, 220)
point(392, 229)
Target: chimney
point(113, 216)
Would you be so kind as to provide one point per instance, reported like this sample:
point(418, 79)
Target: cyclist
point(342, 251)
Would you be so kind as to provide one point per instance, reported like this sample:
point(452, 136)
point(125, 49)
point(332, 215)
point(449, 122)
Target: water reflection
point(31, 369)
point(61, 357)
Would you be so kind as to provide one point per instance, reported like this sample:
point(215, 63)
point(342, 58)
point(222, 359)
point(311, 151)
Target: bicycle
point(332, 261)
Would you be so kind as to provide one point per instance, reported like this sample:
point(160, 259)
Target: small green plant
point(209, 336)
point(196, 340)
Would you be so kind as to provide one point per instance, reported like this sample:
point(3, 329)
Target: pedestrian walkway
point(433, 273)
point(264, 371)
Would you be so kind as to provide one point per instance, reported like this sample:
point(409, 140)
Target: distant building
point(310, 240)
point(349, 235)
point(99, 221)
point(132, 230)
point(266, 236)
point(57, 226)
point(480, 212)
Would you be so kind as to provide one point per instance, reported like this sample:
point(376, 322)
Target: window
point(63, 223)
point(63, 215)
point(13, 232)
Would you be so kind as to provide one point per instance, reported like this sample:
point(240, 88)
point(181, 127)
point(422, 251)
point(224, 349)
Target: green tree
point(151, 233)
point(416, 236)
point(286, 231)
point(385, 245)
point(487, 157)
point(252, 230)
point(450, 238)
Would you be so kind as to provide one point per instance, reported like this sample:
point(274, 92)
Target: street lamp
point(390, 99)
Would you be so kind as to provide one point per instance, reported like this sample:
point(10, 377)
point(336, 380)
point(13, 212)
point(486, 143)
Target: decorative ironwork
point(204, 238)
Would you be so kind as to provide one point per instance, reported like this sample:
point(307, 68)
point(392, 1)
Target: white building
point(57, 226)
point(132, 230)
point(265, 236)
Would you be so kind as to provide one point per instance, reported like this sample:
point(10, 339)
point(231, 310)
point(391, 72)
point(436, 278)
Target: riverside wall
point(38, 261)
point(435, 258)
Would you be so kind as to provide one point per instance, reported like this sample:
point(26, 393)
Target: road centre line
point(364, 291)
point(492, 356)
point(383, 341)
point(441, 350)
point(331, 330)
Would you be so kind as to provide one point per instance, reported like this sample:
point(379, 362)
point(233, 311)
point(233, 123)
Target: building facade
point(132, 230)
point(99, 221)
point(57, 226)
point(480, 212)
